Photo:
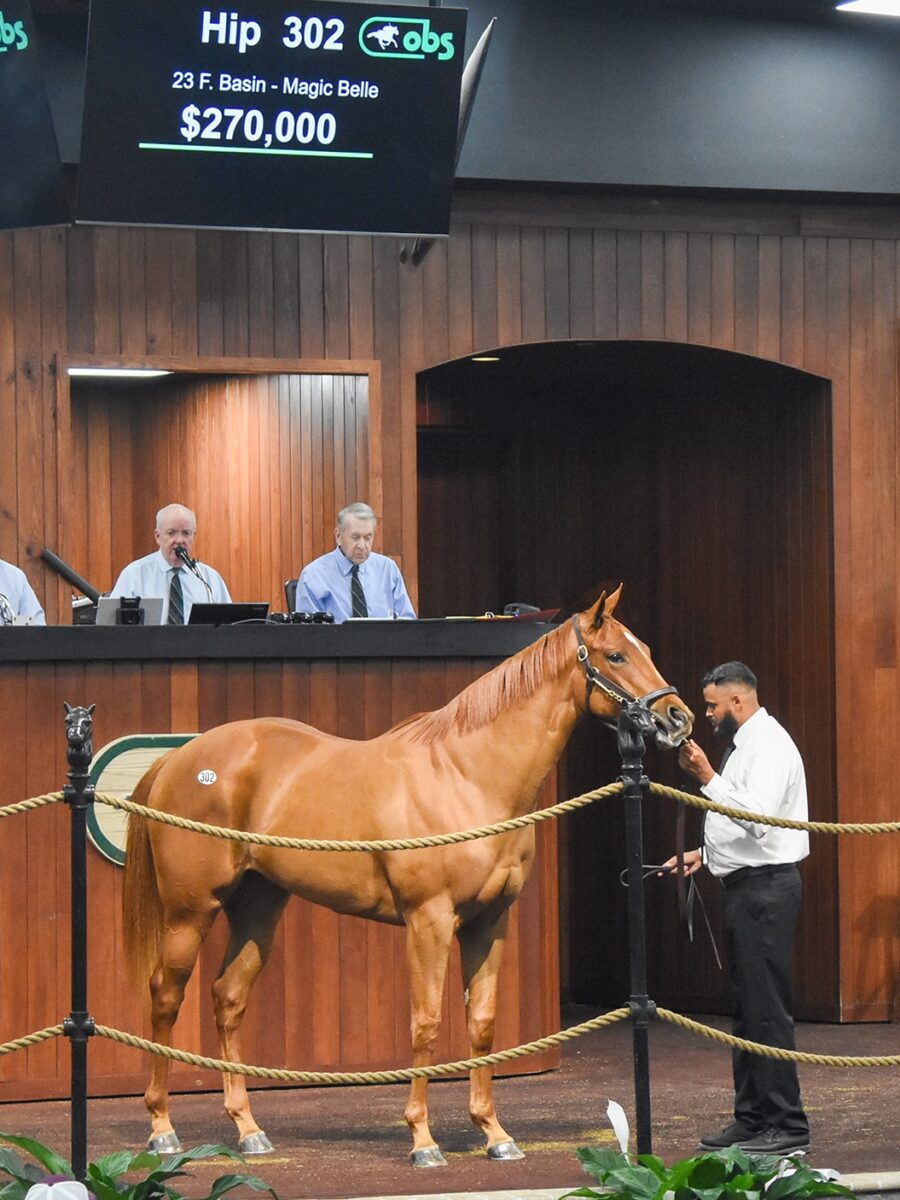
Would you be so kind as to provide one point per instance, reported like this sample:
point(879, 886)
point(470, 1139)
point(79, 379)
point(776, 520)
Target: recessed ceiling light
point(117, 372)
point(485, 358)
point(878, 8)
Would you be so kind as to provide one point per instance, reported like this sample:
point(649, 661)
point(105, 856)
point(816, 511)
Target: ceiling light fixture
point(877, 8)
point(117, 372)
point(485, 358)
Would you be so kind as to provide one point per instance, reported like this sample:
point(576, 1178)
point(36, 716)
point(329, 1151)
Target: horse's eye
point(615, 657)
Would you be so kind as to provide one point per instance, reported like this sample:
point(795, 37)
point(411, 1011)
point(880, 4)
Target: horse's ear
point(67, 707)
point(605, 607)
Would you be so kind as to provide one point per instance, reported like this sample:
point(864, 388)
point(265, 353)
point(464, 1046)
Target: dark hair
point(730, 672)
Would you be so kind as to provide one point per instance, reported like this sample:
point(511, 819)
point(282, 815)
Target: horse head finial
point(79, 729)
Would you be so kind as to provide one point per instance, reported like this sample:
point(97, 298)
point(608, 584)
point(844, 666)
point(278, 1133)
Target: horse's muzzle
point(673, 722)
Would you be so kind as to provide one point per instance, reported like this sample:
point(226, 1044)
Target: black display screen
point(314, 116)
point(32, 191)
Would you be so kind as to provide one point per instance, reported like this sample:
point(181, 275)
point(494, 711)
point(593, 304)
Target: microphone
point(191, 564)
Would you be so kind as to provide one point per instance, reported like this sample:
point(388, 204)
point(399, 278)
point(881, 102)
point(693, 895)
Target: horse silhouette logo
point(386, 36)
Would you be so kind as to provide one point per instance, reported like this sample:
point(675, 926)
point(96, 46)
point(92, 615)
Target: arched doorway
point(702, 479)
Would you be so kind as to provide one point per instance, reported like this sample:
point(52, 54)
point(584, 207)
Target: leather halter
point(595, 678)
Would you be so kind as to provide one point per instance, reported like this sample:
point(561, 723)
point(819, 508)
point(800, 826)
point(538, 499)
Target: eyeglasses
point(170, 533)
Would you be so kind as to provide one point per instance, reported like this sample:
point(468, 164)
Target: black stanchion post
point(79, 1025)
point(632, 723)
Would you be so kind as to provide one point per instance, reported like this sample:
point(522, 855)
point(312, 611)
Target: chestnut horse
point(478, 760)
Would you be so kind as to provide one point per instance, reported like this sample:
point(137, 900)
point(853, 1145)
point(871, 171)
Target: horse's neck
point(512, 754)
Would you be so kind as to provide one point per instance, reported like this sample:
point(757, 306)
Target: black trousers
point(760, 907)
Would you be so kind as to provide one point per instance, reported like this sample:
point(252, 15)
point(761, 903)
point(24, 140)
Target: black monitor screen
point(32, 191)
point(275, 115)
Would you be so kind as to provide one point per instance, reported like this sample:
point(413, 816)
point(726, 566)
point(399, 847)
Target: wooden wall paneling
point(395, 534)
point(628, 276)
point(770, 284)
point(652, 285)
point(261, 292)
point(361, 306)
point(53, 285)
point(699, 288)
point(107, 294)
point(14, 837)
point(792, 300)
point(556, 284)
point(236, 300)
point(581, 284)
point(605, 283)
point(676, 268)
point(746, 293)
point(185, 292)
point(722, 290)
point(210, 299)
point(534, 313)
point(459, 293)
point(509, 290)
point(29, 382)
point(132, 292)
point(312, 289)
point(285, 296)
point(335, 299)
point(388, 349)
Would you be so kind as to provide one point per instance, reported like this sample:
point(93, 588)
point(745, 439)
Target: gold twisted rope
point(402, 1075)
point(32, 1039)
point(421, 843)
point(782, 822)
point(27, 805)
point(799, 1056)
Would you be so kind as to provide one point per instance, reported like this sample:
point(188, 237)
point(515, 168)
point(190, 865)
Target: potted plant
point(106, 1177)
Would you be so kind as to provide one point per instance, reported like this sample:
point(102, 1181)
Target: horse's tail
point(141, 904)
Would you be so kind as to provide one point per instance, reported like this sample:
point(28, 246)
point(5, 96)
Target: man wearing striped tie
point(165, 573)
point(352, 581)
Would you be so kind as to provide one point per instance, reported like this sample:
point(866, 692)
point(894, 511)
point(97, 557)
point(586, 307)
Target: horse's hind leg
point(253, 912)
point(181, 941)
point(428, 939)
point(481, 945)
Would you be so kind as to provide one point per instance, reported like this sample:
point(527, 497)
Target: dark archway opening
point(702, 479)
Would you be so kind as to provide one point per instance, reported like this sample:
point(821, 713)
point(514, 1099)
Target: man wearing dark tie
point(165, 573)
point(761, 772)
point(352, 580)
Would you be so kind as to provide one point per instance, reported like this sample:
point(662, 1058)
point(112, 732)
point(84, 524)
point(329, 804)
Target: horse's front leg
point(428, 938)
point(481, 946)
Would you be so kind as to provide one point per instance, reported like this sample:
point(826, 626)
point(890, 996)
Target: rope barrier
point(27, 805)
point(402, 1075)
point(799, 1056)
point(405, 1074)
point(781, 822)
point(421, 843)
point(32, 1039)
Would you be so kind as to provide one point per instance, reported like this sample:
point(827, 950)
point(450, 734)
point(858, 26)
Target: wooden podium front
point(334, 995)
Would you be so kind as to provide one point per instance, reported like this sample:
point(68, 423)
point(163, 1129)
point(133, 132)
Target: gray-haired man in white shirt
point(757, 865)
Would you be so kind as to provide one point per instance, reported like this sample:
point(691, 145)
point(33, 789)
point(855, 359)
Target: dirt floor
point(352, 1142)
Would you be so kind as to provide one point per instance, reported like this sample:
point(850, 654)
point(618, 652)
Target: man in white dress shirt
point(164, 573)
point(761, 772)
point(17, 599)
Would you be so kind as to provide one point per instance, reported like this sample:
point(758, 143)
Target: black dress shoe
point(773, 1140)
point(731, 1135)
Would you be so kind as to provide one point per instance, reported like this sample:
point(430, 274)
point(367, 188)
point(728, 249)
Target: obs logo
point(404, 37)
point(13, 35)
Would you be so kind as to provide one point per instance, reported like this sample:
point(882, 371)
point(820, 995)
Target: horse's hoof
point(429, 1157)
point(255, 1143)
point(165, 1143)
point(504, 1151)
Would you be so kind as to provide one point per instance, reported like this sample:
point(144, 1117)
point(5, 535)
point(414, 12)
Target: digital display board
point(273, 115)
point(32, 190)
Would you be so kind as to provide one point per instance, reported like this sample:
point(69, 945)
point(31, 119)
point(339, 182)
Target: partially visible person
point(17, 599)
point(164, 573)
point(761, 772)
point(352, 580)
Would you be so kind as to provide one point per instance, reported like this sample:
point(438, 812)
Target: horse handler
point(761, 772)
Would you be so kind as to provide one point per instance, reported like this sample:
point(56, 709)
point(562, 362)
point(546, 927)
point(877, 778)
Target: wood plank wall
point(243, 450)
point(813, 286)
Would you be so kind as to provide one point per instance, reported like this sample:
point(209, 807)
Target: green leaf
point(654, 1164)
point(227, 1183)
point(636, 1181)
point(600, 1161)
point(49, 1160)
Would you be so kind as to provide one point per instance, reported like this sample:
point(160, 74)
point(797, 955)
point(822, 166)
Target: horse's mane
point(512, 681)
